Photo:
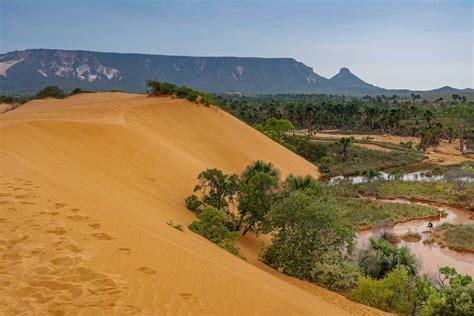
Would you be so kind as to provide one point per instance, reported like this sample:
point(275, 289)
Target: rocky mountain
point(27, 71)
point(345, 81)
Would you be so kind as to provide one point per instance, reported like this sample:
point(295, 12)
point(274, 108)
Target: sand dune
point(87, 186)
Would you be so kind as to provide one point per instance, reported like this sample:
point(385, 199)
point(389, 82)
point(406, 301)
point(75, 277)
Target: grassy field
point(439, 192)
point(325, 153)
point(364, 214)
point(458, 237)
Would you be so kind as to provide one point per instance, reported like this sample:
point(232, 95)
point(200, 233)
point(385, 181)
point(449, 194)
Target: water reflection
point(419, 176)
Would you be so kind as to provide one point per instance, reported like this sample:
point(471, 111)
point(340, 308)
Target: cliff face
point(30, 70)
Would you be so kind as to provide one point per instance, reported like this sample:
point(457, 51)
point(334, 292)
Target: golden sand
point(87, 185)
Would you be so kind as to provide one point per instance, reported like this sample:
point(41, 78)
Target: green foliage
point(307, 184)
point(380, 258)
point(335, 272)
point(78, 91)
point(157, 88)
point(381, 114)
point(175, 226)
point(343, 144)
point(276, 128)
point(193, 203)
point(255, 200)
point(212, 225)
point(218, 189)
point(304, 228)
point(257, 167)
point(365, 214)
point(459, 237)
point(398, 292)
point(50, 91)
point(454, 297)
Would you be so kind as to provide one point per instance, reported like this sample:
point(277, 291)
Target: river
point(431, 256)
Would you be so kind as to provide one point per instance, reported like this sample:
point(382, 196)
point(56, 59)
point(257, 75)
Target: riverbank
point(456, 237)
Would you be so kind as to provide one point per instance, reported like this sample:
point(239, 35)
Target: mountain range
point(27, 71)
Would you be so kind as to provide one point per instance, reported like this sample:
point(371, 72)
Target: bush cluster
point(157, 88)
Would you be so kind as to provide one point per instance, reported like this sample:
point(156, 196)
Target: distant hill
point(23, 72)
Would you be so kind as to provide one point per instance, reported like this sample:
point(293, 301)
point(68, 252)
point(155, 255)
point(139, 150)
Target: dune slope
point(87, 186)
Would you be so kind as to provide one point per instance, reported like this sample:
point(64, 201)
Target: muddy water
point(431, 257)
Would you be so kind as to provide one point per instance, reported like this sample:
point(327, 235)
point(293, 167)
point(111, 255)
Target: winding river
point(431, 256)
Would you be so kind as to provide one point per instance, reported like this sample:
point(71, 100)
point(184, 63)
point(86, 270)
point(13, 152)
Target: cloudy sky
point(392, 44)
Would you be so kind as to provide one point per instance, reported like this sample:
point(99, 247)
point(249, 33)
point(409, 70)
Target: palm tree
point(299, 183)
point(403, 258)
point(344, 143)
point(259, 166)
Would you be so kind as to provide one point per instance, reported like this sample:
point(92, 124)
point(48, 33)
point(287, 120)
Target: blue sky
point(393, 44)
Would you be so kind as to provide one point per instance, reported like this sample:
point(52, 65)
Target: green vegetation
point(212, 224)
point(78, 91)
point(339, 157)
point(439, 192)
point(381, 257)
point(459, 237)
point(366, 214)
point(157, 88)
point(304, 227)
point(431, 121)
point(312, 233)
point(398, 292)
point(50, 91)
point(175, 226)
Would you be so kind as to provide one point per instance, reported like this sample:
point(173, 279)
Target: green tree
point(455, 296)
point(381, 257)
point(50, 91)
point(217, 189)
point(343, 144)
point(307, 184)
point(304, 228)
point(255, 200)
point(335, 272)
point(212, 225)
point(398, 292)
point(259, 166)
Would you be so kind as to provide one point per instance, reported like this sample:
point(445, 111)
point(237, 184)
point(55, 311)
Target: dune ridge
point(87, 186)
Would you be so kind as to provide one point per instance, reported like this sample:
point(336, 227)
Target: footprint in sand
point(57, 231)
point(125, 251)
point(147, 270)
point(4, 221)
point(59, 205)
point(78, 218)
point(101, 236)
point(48, 213)
point(75, 210)
point(95, 225)
point(187, 296)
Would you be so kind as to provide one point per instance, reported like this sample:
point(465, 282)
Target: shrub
point(50, 91)
point(381, 257)
point(335, 272)
point(398, 292)
point(175, 226)
point(157, 88)
point(212, 225)
point(304, 228)
point(193, 203)
point(454, 297)
point(78, 90)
